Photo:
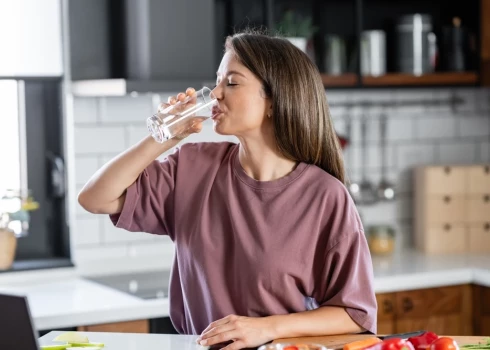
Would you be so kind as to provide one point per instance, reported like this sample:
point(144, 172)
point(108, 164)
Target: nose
point(218, 92)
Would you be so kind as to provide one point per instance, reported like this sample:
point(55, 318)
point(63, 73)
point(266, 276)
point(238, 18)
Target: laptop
point(16, 326)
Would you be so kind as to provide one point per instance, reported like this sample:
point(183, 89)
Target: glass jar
point(381, 239)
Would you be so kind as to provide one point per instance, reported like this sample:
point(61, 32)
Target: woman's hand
point(195, 125)
point(245, 332)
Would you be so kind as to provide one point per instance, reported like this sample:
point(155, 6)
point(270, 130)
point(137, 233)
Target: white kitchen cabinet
point(30, 38)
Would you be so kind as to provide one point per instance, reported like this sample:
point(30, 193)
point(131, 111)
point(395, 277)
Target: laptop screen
point(16, 327)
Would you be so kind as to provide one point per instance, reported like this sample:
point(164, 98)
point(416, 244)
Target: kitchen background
point(416, 136)
point(422, 72)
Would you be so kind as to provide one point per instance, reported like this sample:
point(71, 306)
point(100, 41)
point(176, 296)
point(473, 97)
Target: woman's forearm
point(326, 320)
point(105, 190)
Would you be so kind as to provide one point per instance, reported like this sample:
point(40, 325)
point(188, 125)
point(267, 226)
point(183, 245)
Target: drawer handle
point(486, 198)
point(486, 227)
point(407, 305)
point(487, 169)
point(447, 170)
point(447, 199)
point(447, 227)
point(388, 307)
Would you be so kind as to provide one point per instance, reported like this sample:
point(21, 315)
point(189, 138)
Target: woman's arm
point(248, 332)
point(104, 193)
point(326, 320)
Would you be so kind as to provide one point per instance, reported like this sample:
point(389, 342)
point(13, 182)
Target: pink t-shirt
point(251, 248)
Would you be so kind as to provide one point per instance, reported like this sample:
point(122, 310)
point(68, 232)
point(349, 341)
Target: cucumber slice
point(85, 345)
point(72, 337)
point(55, 347)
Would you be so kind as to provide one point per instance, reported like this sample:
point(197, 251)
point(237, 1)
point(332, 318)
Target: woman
point(268, 242)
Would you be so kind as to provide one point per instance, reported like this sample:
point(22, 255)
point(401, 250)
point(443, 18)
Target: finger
point(239, 344)
point(217, 323)
point(197, 128)
point(181, 97)
point(217, 330)
point(190, 91)
point(221, 338)
point(172, 100)
point(162, 106)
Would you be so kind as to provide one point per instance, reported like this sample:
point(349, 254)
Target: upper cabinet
point(372, 43)
point(30, 38)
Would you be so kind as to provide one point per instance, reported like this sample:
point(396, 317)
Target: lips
point(216, 111)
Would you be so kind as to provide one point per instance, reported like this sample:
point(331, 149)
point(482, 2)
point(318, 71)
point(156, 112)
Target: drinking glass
point(178, 118)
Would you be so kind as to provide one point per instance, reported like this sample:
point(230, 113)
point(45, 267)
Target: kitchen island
point(125, 341)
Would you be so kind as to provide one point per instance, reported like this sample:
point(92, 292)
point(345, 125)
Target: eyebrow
point(233, 72)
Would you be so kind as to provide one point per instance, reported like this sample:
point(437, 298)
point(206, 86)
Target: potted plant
point(14, 223)
point(298, 30)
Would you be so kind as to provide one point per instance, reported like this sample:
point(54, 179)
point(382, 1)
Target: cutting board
point(338, 341)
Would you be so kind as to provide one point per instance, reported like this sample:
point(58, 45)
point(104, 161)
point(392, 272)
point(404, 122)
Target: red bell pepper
point(423, 341)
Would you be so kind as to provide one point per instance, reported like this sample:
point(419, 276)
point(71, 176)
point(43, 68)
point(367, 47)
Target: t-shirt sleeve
point(349, 279)
point(149, 202)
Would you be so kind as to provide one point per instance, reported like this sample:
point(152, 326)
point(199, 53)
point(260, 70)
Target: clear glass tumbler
point(178, 118)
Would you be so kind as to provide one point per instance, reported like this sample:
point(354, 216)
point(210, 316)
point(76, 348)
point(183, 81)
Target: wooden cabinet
point(452, 205)
point(138, 326)
point(386, 313)
point(445, 310)
point(481, 310)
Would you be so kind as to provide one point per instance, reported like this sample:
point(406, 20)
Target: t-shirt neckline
point(273, 184)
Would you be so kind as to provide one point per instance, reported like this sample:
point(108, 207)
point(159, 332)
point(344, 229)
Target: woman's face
point(243, 107)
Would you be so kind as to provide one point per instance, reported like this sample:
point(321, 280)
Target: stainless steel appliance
point(416, 44)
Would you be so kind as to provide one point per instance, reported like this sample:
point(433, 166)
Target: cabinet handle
point(447, 170)
point(486, 227)
point(388, 307)
point(447, 199)
point(487, 169)
point(447, 227)
point(407, 304)
point(486, 198)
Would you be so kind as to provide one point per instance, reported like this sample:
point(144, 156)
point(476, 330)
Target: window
point(32, 156)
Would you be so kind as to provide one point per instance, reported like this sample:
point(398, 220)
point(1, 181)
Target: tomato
point(397, 344)
point(444, 343)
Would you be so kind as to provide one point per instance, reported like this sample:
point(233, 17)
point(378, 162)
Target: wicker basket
point(8, 245)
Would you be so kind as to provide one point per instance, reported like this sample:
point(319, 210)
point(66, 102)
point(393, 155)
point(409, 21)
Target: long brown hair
point(303, 128)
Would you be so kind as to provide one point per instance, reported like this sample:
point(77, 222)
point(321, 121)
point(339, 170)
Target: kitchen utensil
point(335, 55)
point(367, 191)
point(454, 46)
point(386, 190)
point(353, 186)
point(373, 52)
point(416, 44)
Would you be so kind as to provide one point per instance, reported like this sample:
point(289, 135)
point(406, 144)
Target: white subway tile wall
point(421, 133)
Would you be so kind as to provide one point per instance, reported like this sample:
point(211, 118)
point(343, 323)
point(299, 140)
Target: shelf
point(402, 79)
point(348, 79)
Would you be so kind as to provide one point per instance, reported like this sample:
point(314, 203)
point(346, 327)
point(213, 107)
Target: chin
point(219, 129)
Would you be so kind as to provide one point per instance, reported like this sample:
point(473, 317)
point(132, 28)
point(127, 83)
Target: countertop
point(126, 341)
point(131, 341)
point(60, 298)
